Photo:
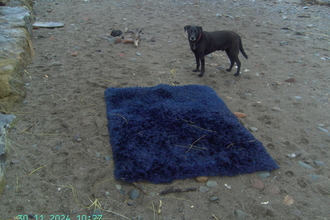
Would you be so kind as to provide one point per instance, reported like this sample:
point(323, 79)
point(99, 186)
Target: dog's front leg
point(203, 66)
point(197, 63)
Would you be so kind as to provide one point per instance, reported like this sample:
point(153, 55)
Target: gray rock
point(323, 129)
point(134, 194)
point(211, 183)
point(239, 214)
point(97, 154)
point(118, 187)
point(277, 109)
point(305, 165)
point(203, 189)
point(214, 198)
point(264, 174)
point(297, 97)
point(284, 43)
point(319, 163)
point(253, 129)
point(107, 158)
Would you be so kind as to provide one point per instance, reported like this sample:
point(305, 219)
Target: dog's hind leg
point(232, 60)
point(238, 62)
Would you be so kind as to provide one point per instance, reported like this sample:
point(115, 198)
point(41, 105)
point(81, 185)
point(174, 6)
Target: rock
point(48, 24)
point(118, 40)
point(323, 129)
point(14, 161)
point(107, 158)
point(55, 64)
point(239, 214)
point(319, 163)
point(211, 183)
point(214, 198)
point(121, 55)
point(97, 154)
point(116, 33)
point(288, 200)
point(253, 129)
point(201, 179)
point(240, 115)
point(305, 165)
point(273, 190)
point(297, 97)
point(11, 81)
point(134, 194)
point(284, 43)
point(74, 54)
point(258, 184)
point(137, 53)
point(276, 109)
point(264, 174)
point(118, 187)
point(291, 80)
point(203, 189)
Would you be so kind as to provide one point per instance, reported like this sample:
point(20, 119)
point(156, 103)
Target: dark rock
point(134, 194)
point(116, 33)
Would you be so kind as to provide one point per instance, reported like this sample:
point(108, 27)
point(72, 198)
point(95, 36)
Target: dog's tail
point(241, 48)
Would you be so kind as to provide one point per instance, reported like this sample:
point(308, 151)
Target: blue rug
point(164, 133)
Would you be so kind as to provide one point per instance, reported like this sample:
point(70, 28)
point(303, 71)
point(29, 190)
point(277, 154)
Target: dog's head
point(193, 32)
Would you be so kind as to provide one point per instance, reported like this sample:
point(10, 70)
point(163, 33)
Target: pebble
point(201, 179)
point(297, 97)
point(319, 163)
point(74, 54)
point(291, 80)
point(14, 161)
point(305, 165)
point(211, 183)
point(107, 158)
point(214, 198)
point(118, 40)
point(253, 129)
point(239, 214)
point(96, 211)
point(323, 129)
point(137, 53)
point(97, 154)
point(240, 114)
point(55, 64)
point(277, 109)
point(203, 189)
point(284, 43)
point(264, 174)
point(118, 187)
point(273, 190)
point(134, 194)
point(121, 55)
point(258, 184)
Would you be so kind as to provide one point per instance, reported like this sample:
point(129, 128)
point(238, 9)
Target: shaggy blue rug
point(164, 133)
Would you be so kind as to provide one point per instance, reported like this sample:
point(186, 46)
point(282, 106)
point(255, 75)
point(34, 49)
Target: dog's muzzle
point(192, 38)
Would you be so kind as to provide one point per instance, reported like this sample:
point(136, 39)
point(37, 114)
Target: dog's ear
point(200, 28)
point(186, 27)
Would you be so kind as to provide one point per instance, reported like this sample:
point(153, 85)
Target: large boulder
point(16, 52)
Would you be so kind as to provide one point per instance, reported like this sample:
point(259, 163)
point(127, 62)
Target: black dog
point(203, 43)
